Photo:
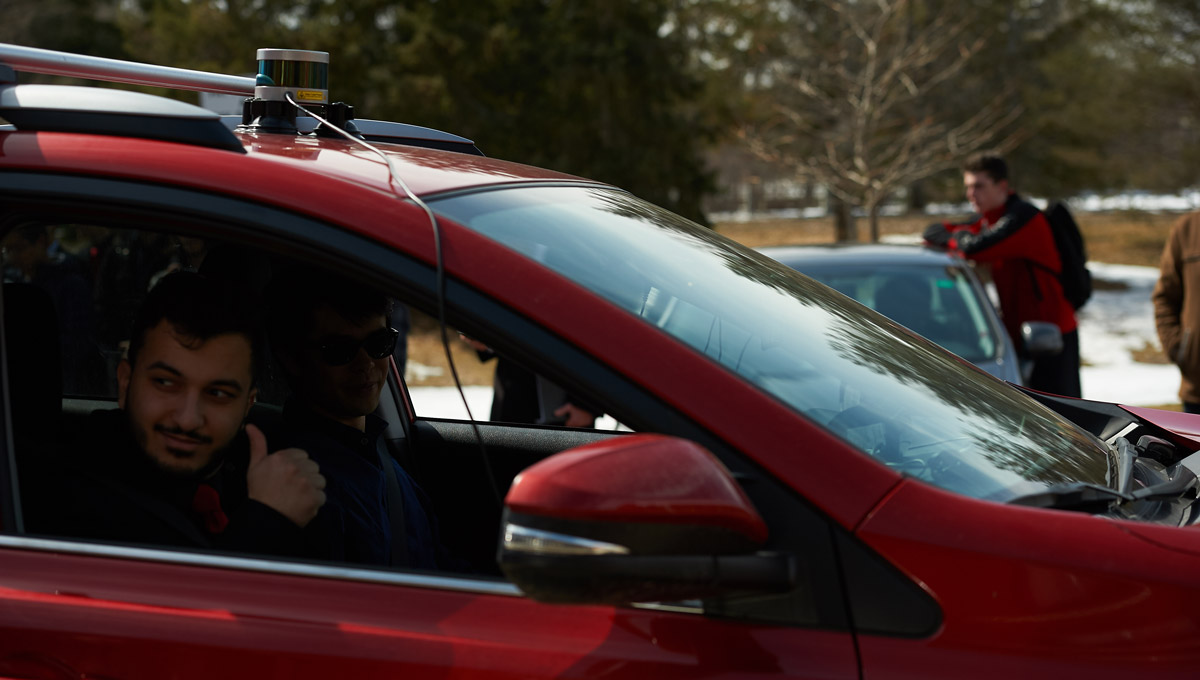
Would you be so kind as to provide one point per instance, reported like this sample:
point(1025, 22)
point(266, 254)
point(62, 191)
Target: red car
point(808, 492)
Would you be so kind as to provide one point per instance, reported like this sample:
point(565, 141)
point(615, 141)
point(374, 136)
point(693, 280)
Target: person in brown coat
point(1177, 306)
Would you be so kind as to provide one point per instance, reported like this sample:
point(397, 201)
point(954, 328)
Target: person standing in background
point(1013, 238)
point(1176, 299)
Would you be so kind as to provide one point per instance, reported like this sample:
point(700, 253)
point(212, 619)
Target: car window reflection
point(901, 399)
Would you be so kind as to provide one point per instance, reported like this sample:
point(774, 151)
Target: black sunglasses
point(342, 351)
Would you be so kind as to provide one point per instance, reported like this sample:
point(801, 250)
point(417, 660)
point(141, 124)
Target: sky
point(1111, 325)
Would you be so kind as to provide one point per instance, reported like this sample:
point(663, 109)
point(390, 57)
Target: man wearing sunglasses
point(332, 339)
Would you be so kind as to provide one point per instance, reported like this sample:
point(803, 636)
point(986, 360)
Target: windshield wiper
point(1081, 496)
point(1182, 478)
point(1086, 496)
point(1093, 498)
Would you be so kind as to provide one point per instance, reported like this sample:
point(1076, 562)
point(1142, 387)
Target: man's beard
point(141, 438)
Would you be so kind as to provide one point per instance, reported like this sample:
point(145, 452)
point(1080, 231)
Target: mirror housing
point(1041, 339)
point(635, 518)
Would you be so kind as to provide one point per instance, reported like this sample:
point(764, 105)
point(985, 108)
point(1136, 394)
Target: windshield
point(937, 302)
point(895, 397)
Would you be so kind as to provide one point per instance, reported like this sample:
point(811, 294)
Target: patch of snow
point(902, 239)
point(1115, 323)
point(446, 402)
point(417, 371)
point(1184, 201)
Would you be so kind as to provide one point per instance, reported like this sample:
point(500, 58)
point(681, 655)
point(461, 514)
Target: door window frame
point(800, 526)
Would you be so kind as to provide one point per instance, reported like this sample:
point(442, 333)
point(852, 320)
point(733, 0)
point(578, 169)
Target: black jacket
point(105, 488)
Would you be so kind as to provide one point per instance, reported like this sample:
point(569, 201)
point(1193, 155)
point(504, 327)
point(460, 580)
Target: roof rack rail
point(50, 62)
point(67, 108)
point(78, 109)
point(63, 108)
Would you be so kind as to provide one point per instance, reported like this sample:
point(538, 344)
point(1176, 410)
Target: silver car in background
point(929, 292)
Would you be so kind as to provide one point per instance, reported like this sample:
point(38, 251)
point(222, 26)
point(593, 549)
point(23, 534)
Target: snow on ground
point(1088, 202)
point(1112, 325)
point(446, 402)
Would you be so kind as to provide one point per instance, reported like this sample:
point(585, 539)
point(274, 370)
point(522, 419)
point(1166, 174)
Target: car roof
point(329, 179)
point(426, 171)
point(427, 161)
point(875, 254)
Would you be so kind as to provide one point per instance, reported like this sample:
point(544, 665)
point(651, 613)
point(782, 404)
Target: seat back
point(33, 373)
point(33, 366)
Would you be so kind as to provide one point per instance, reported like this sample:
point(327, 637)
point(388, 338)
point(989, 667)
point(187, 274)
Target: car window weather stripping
point(402, 190)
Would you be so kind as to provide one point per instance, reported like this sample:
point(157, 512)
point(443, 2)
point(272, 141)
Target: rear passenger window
point(109, 446)
point(146, 423)
point(93, 277)
point(61, 262)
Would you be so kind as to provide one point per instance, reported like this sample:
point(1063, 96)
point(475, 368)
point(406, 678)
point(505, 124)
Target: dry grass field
point(427, 366)
point(1119, 238)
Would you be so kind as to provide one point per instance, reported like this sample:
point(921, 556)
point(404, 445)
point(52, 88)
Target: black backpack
point(1075, 278)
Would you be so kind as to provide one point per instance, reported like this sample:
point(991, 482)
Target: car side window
point(140, 419)
point(497, 388)
point(93, 277)
point(62, 262)
point(459, 473)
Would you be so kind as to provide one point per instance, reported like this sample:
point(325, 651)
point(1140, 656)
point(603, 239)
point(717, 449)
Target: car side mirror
point(636, 518)
point(1041, 338)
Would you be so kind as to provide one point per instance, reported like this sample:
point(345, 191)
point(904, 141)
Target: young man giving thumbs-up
point(173, 465)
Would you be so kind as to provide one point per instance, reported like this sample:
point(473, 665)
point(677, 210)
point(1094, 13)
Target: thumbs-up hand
point(287, 480)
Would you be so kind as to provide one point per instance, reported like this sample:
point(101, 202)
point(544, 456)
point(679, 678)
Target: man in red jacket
point(1013, 238)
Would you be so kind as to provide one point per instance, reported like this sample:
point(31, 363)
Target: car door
point(76, 608)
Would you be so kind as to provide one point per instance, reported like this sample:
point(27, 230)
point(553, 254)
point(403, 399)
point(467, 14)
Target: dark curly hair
point(200, 308)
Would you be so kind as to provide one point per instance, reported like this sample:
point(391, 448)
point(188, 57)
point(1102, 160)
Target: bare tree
point(856, 97)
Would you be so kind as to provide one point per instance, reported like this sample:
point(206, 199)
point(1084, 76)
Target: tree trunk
point(874, 212)
point(844, 228)
point(916, 196)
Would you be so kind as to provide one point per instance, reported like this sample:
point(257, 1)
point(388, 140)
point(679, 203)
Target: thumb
point(258, 443)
